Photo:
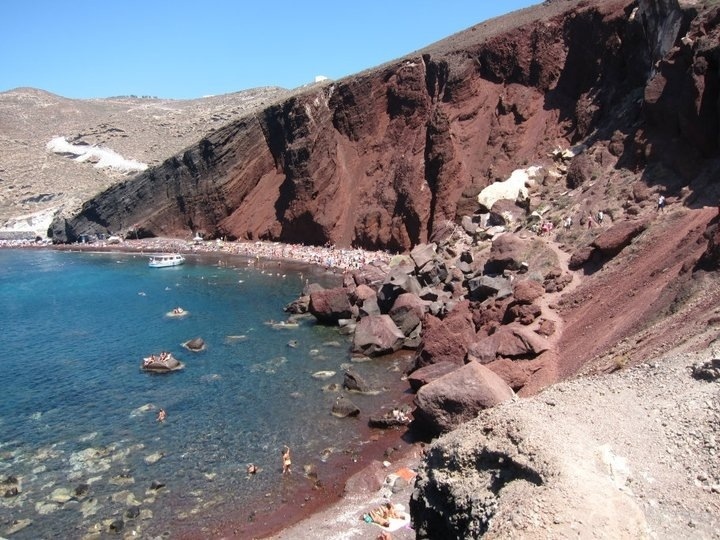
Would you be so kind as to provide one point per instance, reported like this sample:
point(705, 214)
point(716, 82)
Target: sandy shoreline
point(328, 257)
point(354, 484)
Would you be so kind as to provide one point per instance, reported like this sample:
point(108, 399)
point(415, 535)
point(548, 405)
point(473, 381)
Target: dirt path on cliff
point(630, 291)
point(632, 454)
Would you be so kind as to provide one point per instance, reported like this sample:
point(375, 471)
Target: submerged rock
point(377, 335)
point(322, 375)
point(61, 495)
point(354, 382)
point(197, 344)
point(17, 526)
point(154, 458)
point(330, 305)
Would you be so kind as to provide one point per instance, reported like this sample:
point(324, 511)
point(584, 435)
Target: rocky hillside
point(518, 167)
point(56, 153)
point(385, 158)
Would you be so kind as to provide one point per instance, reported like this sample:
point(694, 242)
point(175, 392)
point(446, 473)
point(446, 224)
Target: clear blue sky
point(186, 49)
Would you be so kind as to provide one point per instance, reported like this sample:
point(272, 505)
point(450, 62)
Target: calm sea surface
point(78, 425)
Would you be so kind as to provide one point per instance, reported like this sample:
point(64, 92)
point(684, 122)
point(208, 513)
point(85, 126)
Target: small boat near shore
point(166, 260)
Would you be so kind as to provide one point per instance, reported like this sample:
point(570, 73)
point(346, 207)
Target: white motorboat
point(165, 260)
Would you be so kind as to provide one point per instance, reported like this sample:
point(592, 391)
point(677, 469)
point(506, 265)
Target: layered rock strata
point(387, 158)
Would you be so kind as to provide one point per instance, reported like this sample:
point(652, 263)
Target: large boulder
point(434, 273)
point(580, 257)
point(579, 171)
point(407, 312)
point(515, 374)
point(423, 254)
point(483, 287)
point(522, 313)
point(365, 298)
point(457, 397)
point(376, 335)
point(507, 253)
point(330, 305)
point(302, 304)
point(354, 382)
point(510, 341)
point(299, 306)
point(370, 274)
point(446, 339)
point(514, 188)
point(424, 375)
point(489, 315)
point(710, 259)
point(526, 291)
point(396, 283)
point(161, 363)
point(519, 342)
point(196, 344)
point(616, 238)
point(505, 212)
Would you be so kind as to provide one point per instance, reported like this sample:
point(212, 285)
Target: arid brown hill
point(34, 178)
point(384, 158)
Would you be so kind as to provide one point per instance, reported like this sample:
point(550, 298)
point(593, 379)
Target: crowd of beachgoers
point(328, 256)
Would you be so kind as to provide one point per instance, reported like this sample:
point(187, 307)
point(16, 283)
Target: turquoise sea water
point(76, 411)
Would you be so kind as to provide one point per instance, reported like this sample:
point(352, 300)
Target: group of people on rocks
point(546, 226)
point(154, 359)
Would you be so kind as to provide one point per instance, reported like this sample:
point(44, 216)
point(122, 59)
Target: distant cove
point(77, 415)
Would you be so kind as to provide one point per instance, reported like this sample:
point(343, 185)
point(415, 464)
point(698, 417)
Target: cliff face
point(385, 158)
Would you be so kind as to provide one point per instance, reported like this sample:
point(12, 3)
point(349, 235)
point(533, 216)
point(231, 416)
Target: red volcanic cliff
point(385, 158)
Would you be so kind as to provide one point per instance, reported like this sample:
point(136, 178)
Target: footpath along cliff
point(549, 181)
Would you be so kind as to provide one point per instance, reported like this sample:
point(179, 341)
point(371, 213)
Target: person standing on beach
point(286, 461)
